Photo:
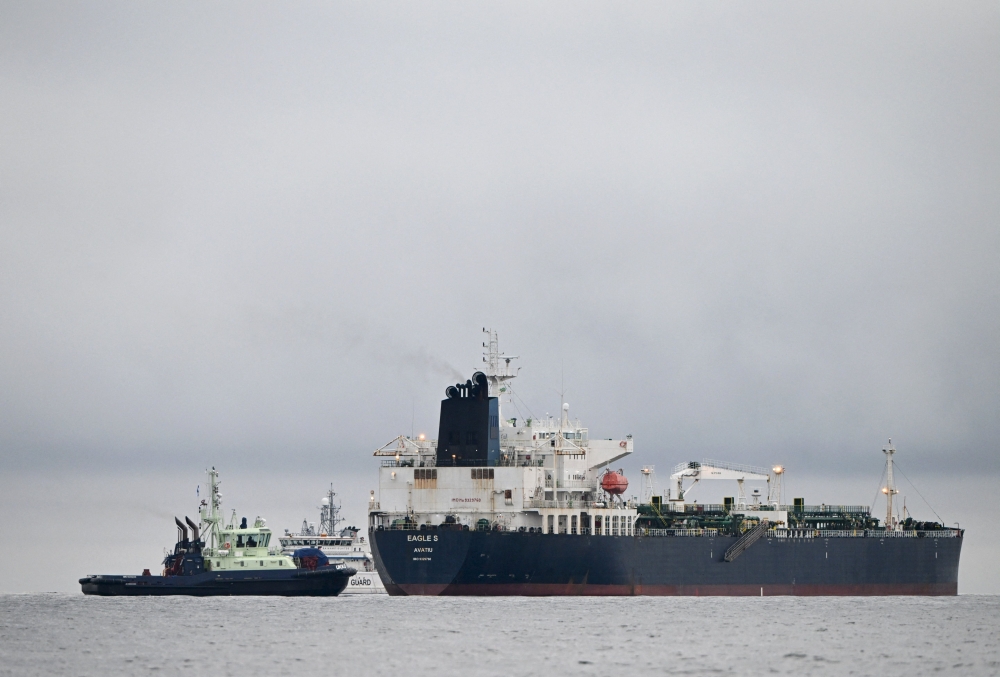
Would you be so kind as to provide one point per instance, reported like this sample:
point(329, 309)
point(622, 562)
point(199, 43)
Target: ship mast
point(210, 509)
point(329, 514)
point(648, 478)
point(890, 486)
point(497, 375)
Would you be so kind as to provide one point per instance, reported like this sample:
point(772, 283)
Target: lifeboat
point(614, 483)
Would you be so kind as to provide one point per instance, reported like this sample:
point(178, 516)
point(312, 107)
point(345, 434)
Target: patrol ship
point(234, 559)
point(348, 545)
point(511, 506)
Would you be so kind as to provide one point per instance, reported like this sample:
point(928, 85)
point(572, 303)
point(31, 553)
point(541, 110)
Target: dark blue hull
point(446, 562)
point(327, 582)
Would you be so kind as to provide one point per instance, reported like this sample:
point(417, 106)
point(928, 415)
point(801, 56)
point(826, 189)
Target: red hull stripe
point(552, 590)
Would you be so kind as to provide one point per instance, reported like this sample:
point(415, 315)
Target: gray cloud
point(265, 236)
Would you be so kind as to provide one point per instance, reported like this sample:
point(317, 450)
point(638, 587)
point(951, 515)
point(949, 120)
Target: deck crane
point(721, 470)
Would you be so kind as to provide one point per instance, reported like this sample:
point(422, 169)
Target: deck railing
point(810, 533)
point(861, 533)
point(711, 533)
point(832, 510)
point(569, 504)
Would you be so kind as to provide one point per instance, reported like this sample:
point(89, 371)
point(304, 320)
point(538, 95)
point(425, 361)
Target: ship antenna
point(890, 486)
point(496, 375)
point(563, 421)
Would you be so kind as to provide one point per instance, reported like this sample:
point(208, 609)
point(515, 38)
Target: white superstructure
point(545, 477)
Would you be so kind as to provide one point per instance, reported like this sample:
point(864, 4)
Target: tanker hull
point(453, 562)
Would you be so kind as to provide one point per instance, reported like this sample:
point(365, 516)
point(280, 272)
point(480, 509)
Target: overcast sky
point(269, 235)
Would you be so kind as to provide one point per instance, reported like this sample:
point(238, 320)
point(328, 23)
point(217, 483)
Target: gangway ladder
point(746, 540)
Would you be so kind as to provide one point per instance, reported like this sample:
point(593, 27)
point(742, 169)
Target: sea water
point(366, 636)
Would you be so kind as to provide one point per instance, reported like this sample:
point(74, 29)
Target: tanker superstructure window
point(471, 437)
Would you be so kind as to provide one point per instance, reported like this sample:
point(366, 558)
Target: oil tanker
point(512, 506)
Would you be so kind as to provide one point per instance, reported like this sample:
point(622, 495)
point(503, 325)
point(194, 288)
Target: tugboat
point(236, 560)
point(348, 545)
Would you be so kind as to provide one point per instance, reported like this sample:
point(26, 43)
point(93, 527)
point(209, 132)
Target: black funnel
point(194, 528)
point(182, 531)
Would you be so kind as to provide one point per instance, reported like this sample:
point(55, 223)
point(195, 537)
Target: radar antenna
point(329, 514)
